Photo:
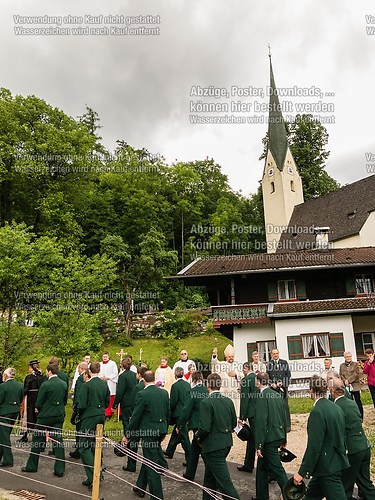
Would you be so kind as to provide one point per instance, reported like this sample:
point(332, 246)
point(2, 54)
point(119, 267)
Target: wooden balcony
point(239, 314)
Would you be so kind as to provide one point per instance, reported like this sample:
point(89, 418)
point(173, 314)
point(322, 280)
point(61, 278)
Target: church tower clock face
point(290, 170)
point(270, 172)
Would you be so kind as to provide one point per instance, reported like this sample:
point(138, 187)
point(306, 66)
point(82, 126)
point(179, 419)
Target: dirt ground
point(297, 438)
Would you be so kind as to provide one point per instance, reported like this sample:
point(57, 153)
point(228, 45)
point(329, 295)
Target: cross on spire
point(269, 50)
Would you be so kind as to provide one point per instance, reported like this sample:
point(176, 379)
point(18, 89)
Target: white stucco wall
point(350, 242)
point(250, 333)
point(332, 324)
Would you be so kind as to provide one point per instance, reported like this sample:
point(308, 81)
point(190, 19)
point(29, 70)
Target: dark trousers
point(149, 477)
point(372, 392)
point(31, 414)
point(133, 446)
point(271, 465)
point(6, 426)
point(176, 438)
point(329, 487)
point(87, 443)
point(54, 427)
point(250, 447)
point(126, 413)
point(216, 474)
point(356, 395)
point(359, 473)
point(192, 463)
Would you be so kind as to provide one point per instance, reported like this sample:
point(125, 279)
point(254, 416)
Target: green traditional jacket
point(11, 396)
point(270, 418)
point(137, 388)
point(64, 377)
point(355, 437)
point(249, 394)
point(80, 381)
point(191, 409)
point(217, 421)
point(52, 398)
point(124, 390)
point(151, 414)
point(179, 390)
point(325, 453)
point(93, 398)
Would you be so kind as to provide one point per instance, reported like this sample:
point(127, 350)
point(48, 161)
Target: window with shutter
point(295, 347)
point(337, 344)
point(251, 347)
point(272, 291)
point(350, 286)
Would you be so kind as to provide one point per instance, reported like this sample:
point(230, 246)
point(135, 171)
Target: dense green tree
point(308, 139)
point(71, 314)
point(25, 266)
point(140, 269)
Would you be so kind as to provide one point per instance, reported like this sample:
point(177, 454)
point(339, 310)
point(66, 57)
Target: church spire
point(277, 136)
point(281, 182)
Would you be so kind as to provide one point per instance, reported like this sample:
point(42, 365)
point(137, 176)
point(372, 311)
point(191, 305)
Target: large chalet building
point(312, 293)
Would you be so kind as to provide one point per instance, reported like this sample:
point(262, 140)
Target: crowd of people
point(204, 414)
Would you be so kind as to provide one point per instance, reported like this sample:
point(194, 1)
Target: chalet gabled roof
point(263, 262)
point(344, 211)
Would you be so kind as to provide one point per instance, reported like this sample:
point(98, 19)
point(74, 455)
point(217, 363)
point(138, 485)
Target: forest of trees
point(82, 227)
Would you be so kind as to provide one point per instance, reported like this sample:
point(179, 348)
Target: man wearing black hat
point(31, 386)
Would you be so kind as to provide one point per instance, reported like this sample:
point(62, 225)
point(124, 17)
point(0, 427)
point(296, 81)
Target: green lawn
point(198, 346)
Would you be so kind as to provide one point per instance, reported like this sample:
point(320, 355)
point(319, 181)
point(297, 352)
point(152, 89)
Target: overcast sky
point(141, 85)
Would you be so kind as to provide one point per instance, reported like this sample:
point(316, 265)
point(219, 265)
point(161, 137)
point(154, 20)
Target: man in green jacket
point(179, 391)
point(190, 418)
point(124, 391)
point(149, 421)
point(134, 440)
point(50, 404)
point(270, 435)
point(217, 420)
point(248, 395)
point(359, 451)
point(325, 456)
point(92, 402)
point(62, 375)
point(11, 396)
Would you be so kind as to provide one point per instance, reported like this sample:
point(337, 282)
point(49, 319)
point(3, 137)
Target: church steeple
point(281, 182)
point(277, 137)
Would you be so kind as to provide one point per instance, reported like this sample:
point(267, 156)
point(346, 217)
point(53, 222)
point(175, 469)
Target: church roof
point(266, 262)
point(277, 136)
point(344, 211)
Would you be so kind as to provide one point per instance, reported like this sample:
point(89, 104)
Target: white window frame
point(366, 345)
point(315, 345)
point(269, 345)
point(282, 286)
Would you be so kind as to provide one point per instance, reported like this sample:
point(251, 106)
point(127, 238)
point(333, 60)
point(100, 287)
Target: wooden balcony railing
point(239, 313)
